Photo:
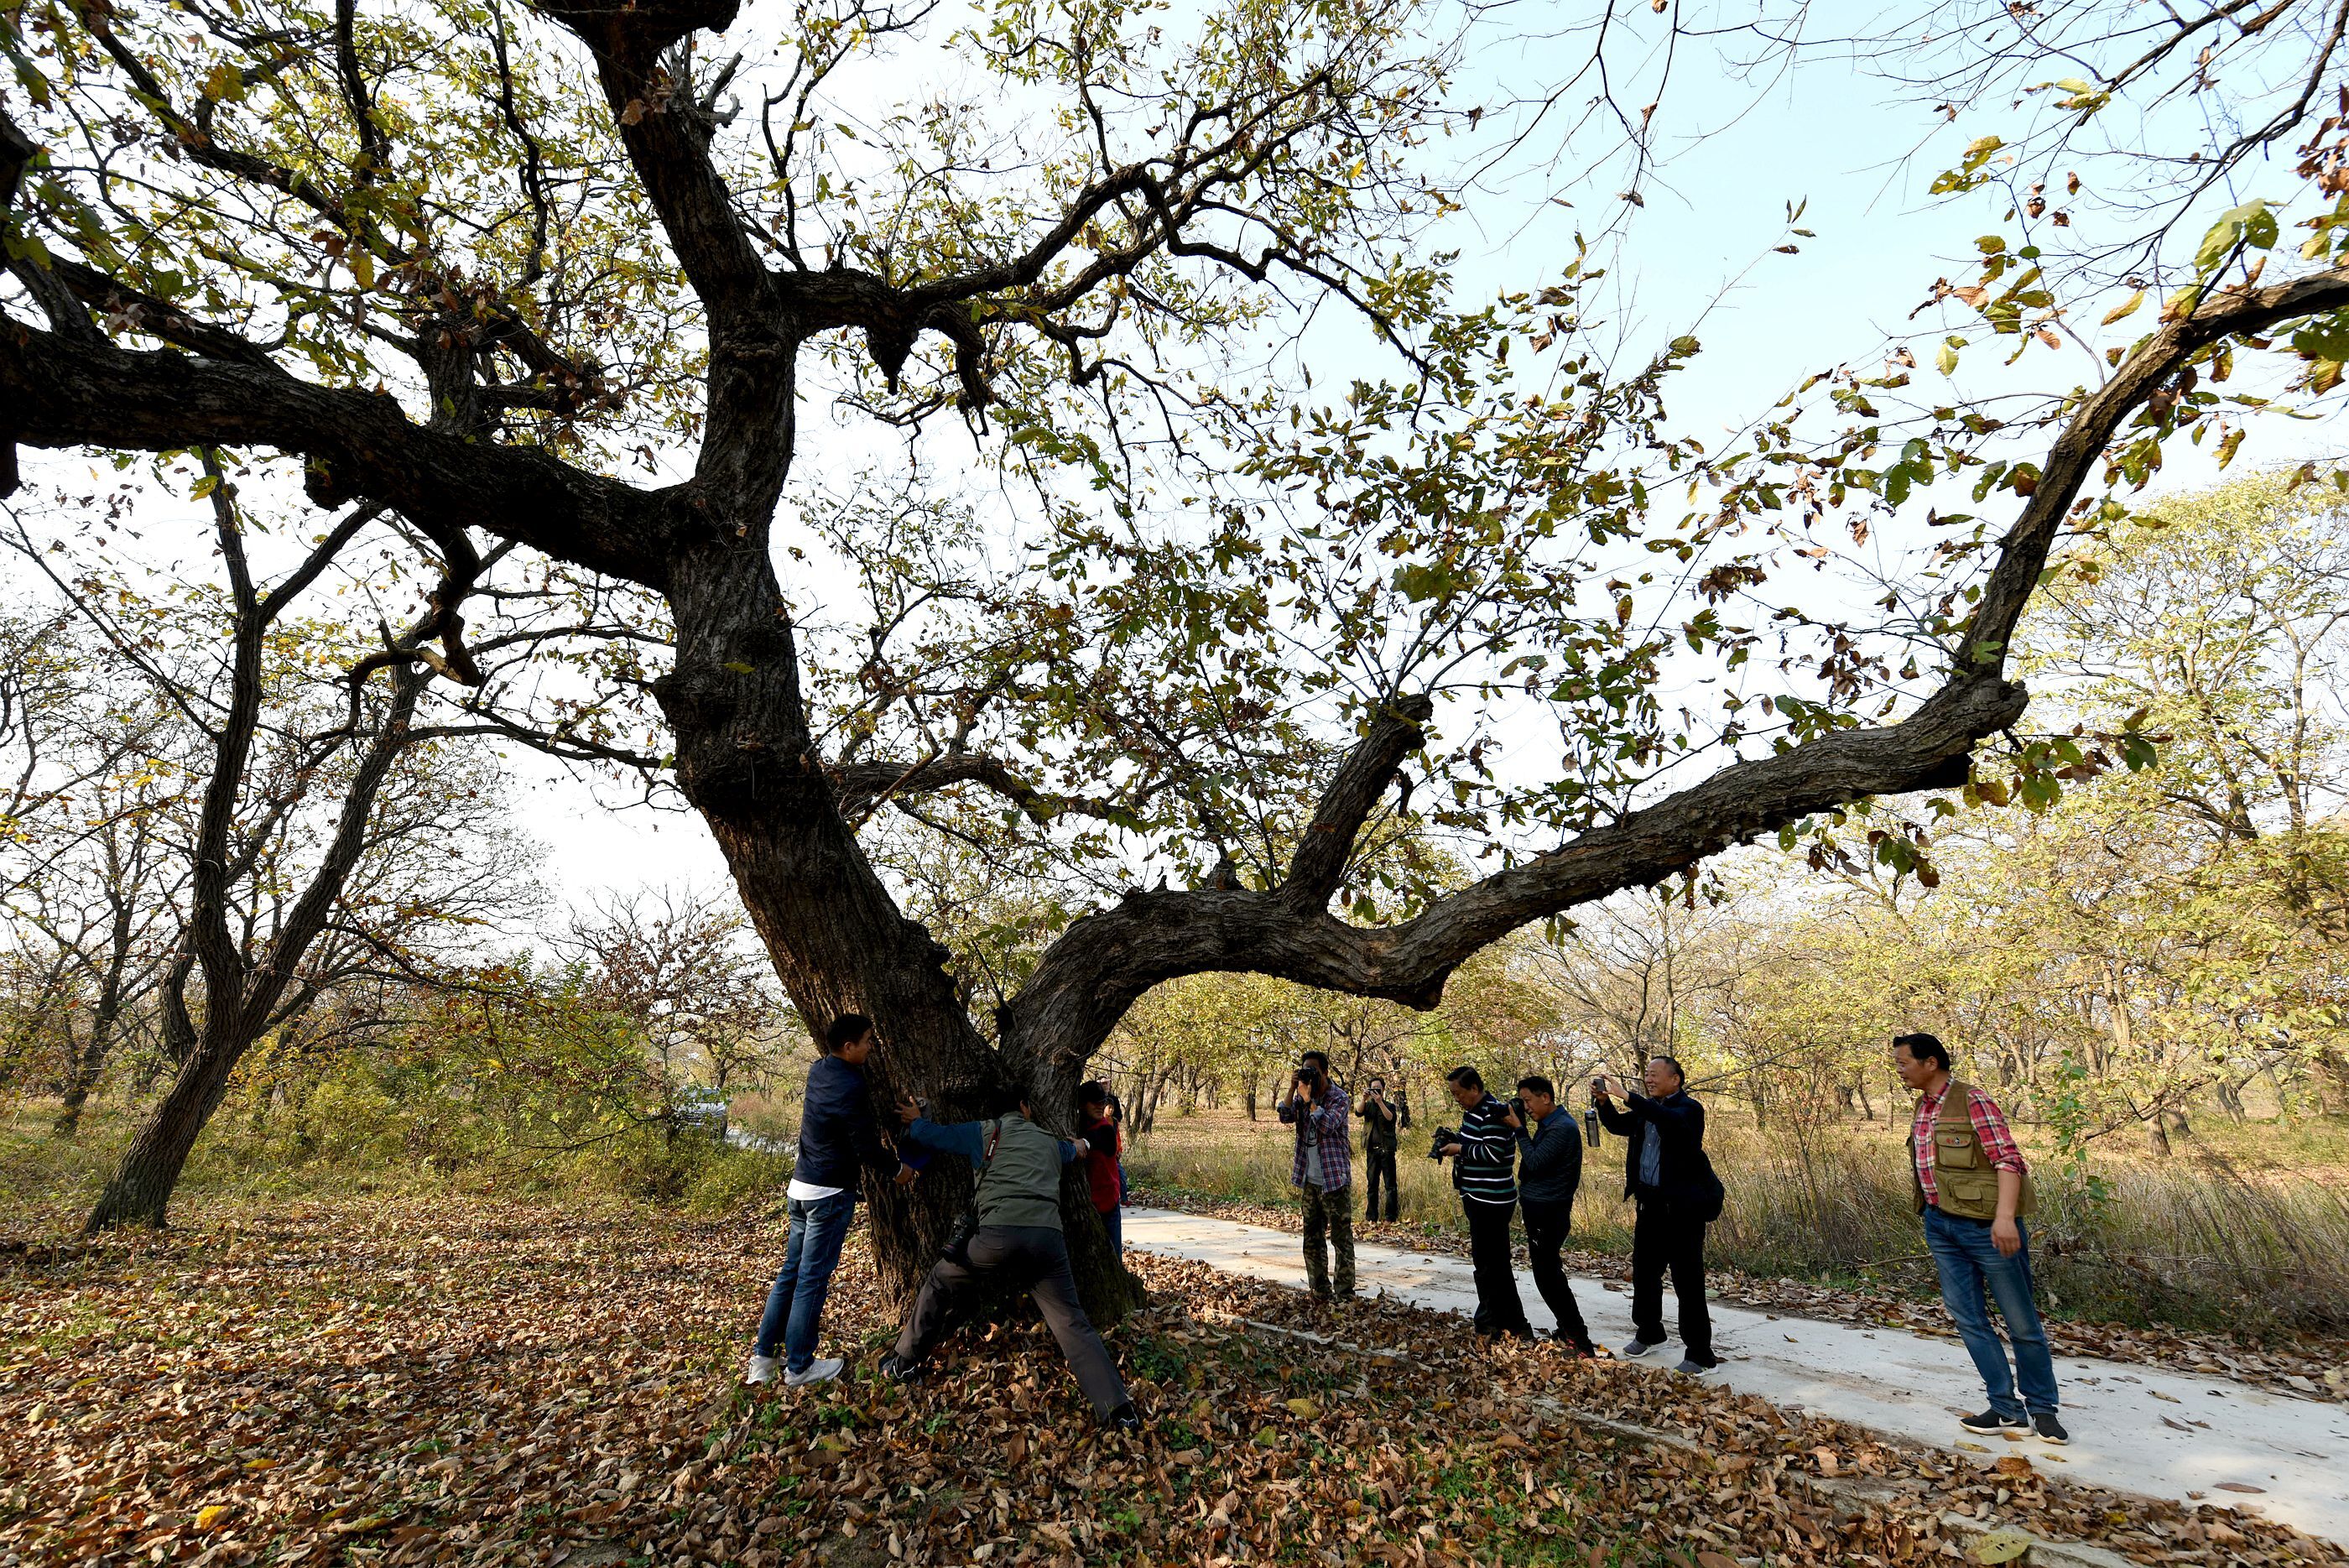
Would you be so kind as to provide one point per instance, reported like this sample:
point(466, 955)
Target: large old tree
point(475, 264)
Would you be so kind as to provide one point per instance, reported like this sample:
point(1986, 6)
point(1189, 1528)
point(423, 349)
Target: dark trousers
point(1662, 1241)
point(1546, 1227)
point(1499, 1309)
point(1030, 1257)
point(1380, 1164)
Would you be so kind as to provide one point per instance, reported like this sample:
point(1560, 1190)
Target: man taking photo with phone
point(1667, 1173)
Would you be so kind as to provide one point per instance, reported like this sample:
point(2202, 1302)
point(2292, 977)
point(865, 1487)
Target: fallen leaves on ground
point(466, 1382)
point(2312, 1367)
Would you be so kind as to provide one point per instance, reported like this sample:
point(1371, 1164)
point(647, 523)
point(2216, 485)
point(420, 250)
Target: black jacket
point(1685, 1182)
point(838, 1131)
point(1378, 1124)
point(1549, 1168)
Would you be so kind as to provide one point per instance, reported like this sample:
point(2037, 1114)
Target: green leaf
point(2253, 225)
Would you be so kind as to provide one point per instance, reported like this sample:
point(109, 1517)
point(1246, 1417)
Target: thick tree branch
point(1318, 865)
point(1105, 961)
point(666, 137)
point(2160, 355)
point(66, 393)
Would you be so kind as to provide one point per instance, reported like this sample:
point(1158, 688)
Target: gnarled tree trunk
point(839, 941)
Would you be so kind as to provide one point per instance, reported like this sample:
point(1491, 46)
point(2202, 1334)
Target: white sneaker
point(762, 1369)
point(822, 1370)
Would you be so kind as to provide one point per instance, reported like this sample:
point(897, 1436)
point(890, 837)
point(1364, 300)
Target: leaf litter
point(463, 1381)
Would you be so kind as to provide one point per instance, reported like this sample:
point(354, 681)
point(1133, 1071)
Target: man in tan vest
point(1974, 1191)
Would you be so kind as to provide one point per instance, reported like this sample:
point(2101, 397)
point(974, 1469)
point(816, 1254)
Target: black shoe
point(1125, 1418)
point(897, 1371)
point(2049, 1428)
point(1991, 1421)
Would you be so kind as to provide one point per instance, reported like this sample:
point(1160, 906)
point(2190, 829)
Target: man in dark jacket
point(839, 1139)
point(1484, 1156)
point(1380, 1117)
point(1018, 1242)
point(1667, 1174)
point(1549, 1171)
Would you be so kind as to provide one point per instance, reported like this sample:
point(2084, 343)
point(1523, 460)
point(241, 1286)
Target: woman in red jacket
point(1098, 1131)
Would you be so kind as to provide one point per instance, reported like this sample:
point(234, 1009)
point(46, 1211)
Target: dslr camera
point(1436, 1146)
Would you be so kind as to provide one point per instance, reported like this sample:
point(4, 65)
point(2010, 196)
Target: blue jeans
point(796, 1305)
point(1970, 1264)
point(1113, 1221)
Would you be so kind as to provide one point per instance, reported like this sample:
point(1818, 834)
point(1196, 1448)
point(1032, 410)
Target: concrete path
point(2134, 1429)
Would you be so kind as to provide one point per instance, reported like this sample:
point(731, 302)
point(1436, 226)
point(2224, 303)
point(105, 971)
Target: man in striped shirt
point(1974, 1190)
point(1484, 1156)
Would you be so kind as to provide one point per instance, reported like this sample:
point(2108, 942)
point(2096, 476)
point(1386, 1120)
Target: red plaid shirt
point(1990, 1125)
point(1325, 1125)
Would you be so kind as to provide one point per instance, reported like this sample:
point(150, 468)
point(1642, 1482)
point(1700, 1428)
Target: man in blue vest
point(1017, 1241)
point(839, 1137)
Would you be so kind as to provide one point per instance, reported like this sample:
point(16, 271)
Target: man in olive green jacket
point(1019, 1241)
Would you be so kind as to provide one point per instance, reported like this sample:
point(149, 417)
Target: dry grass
point(2194, 1242)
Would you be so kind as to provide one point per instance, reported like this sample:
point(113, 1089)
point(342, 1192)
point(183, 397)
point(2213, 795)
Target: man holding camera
point(1381, 1118)
point(1319, 1170)
point(1667, 1173)
point(1549, 1171)
point(1484, 1156)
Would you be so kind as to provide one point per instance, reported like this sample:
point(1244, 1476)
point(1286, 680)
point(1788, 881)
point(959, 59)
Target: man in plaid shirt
point(1321, 1170)
point(1974, 1191)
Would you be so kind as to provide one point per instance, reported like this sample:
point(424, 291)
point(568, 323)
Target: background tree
point(674, 965)
point(314, 827)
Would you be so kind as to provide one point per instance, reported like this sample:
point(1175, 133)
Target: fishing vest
point(1021, 1182)
point(1965, 1183)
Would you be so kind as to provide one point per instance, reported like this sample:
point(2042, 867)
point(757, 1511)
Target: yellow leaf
point(2124, 309)
point(208, 1517)
point(1304, 1409)
point(2001, 1546)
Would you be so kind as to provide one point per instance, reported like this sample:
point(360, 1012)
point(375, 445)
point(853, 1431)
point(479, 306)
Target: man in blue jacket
point(839, 1137)
point(1549, 1172)
point(1667, 1174)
